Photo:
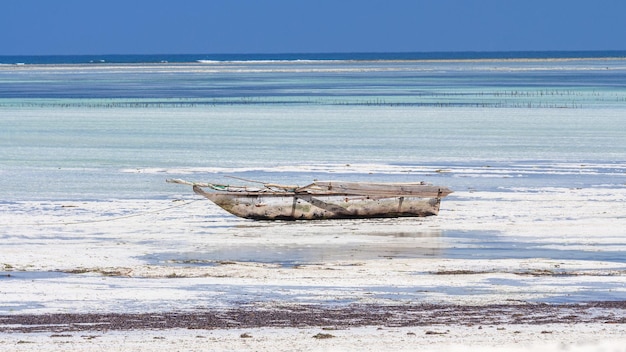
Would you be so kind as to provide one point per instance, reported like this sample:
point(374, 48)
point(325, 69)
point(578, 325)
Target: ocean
point(533, 145)
point(107, 127)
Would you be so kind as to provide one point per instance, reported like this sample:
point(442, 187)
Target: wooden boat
point(324, 200)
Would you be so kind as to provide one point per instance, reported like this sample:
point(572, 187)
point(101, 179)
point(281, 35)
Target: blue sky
point(45, 27)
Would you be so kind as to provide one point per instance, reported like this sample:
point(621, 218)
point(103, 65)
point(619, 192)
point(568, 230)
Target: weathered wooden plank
point(380, 189)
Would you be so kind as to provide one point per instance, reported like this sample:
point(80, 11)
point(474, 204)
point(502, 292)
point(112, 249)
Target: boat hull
point(319, 207)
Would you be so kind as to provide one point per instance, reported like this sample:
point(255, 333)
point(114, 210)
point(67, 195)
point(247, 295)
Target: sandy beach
point(552, 337)
point(508, 270)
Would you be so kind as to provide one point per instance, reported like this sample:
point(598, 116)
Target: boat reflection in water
point(295, 245)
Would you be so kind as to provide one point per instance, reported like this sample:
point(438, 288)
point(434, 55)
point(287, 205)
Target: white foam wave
point(297, 61)
point(314, 168)
point(486, 171)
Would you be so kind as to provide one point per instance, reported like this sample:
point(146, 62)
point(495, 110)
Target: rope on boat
point(109, 219)
point(243, 179)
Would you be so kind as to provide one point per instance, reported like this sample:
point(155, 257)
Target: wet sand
point(595, 326)
point(301, 316)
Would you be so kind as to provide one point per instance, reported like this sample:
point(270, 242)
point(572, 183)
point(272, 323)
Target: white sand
point(545, 338)
point(141, 256)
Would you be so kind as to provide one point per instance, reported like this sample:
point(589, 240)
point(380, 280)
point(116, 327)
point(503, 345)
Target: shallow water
point(449, 244)
point(117, 131)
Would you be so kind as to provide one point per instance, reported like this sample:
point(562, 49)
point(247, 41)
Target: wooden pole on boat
point(268, 185)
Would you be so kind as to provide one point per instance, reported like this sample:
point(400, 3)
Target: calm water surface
point(86, 131)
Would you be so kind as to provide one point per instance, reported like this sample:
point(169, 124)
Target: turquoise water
point(105, 131)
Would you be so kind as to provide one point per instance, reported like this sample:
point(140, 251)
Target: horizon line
point(331, 52)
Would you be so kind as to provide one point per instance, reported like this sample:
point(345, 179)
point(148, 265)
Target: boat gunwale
point(320, 189)
point(268, 193)
point(302, 195)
